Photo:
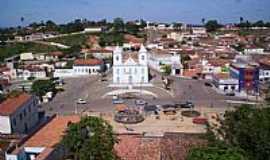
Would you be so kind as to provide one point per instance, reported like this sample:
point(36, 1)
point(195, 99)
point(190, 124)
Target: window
point(24, 112)
point(142, 80)
point(142, 57)
point(117, 71)
point(130, 70)
point(117, 58)
point(118, 79)
point(29, 108)
point(130, 79)
point(135, 70)
point(21, 116)
point(233, 87)
point(14, 121)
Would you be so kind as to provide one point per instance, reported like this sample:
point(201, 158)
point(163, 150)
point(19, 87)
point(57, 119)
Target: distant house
point(100, 53)
point(26, 56)
point(81, 67)
point(225, 83)
point(18, 114)
point(247, 75)
point(87, 66)
point(131, 41)
point(45, 144)
point(31, 71)
point(200, 31)
point(93, 30)
point(158, 59)
point(264, 70)
point(253, 50)
point(56, 55)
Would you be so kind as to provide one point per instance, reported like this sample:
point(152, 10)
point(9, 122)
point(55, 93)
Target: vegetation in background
point(167, 69)
point(71, 40)
point(91, 138)
point(212, 25)
point(11, 49)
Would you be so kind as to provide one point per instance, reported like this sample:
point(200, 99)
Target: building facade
point(247, 75)
point(18, 114)
point(130, 68)
point(225, 83)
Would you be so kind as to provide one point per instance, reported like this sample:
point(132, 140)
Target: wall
point(25, 116)
point(5, 126)
point(124, 72)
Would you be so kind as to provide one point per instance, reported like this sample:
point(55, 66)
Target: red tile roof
point(9, 106)
point(90, 62)
point(51, 134)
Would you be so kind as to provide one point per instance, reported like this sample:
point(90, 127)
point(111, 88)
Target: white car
point(81, 101)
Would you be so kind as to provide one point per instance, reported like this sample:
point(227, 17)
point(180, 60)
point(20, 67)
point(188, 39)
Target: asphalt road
point(91, 90)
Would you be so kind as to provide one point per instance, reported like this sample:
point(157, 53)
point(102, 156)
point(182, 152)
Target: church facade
point(130, 68)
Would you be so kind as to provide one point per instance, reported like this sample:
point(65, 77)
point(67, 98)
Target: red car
point(199, 120)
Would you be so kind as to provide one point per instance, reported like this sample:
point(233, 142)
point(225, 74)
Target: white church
point(130, 69)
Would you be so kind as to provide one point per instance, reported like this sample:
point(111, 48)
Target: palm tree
point(203, 21)
point(241, 19)
point(22, 20)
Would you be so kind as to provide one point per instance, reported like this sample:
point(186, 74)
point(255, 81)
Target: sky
point(187, 11)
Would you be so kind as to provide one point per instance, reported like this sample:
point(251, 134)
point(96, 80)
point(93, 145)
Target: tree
point(249, 129)
point(241, 19)
point(118, 25)
point(216, 153)
point(212, 25)
point(90, 139)
point(203, 21)
point(167, 69)
point(41, 87)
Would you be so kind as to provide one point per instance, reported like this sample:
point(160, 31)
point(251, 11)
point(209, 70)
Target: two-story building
point(18, 114)
point(247, 75)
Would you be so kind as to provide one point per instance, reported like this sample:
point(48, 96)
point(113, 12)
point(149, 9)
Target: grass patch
point(11, 49)
point(71, 40)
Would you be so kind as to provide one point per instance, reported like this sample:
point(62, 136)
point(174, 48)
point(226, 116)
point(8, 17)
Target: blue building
point(247, 75)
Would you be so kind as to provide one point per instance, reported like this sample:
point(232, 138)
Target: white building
point(130, 68)
point(157, 60)
point(93, 30)
point(225, 83)
point(264, 70)
point(253, 50)
point(177, 36)
point(87, 66)
point(31, 71)
point(18, 114)
point(81, 67)
point(199, 31)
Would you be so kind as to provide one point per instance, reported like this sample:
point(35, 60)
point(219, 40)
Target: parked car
point(140, 102)
point(199, 120)
point(186, 104)
point(230, 94)
point(81, 101)
point(118, 101)
point(208, 84)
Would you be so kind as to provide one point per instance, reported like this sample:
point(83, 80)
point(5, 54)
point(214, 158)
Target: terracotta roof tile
point(51, 134)
point(91, 62)
point(10, 105)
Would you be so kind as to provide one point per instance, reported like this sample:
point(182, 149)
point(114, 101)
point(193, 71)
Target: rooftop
point(11, 105)
point(88, 62)
point(51, 134)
